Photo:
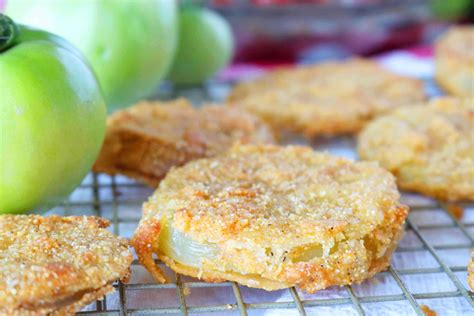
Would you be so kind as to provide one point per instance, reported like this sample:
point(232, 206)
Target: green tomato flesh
point(205, 46)
point(52, 122)
point(184, 250)
point(130, 44)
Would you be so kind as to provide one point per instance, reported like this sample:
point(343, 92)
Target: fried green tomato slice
point(331, 98)
point(149, 138)
point(454, 61)
point(272, 217)
point(429, 148)
point(57, 265)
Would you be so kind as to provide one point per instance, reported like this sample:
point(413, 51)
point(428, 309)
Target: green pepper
point(130, 44)
point(52, 118)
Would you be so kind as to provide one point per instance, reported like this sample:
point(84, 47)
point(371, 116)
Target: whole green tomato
point(52, 118)
point(130, 44)
point(450, 9)
point(205, 46)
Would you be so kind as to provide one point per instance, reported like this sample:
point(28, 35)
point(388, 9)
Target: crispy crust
point(265, 207)
point(57, 265)
point(68, 310)
point(146, 140)
point(327, 99)
point(430, 149)
point(454, 61)
point(145, 246)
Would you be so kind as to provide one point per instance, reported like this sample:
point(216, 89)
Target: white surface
point(129, 209)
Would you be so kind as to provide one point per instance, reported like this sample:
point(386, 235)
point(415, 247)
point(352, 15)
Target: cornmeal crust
point(57, 265)
point(279, 217)
point(454, 61)
point(146, 140)
point(430, 149)
point(326, 99)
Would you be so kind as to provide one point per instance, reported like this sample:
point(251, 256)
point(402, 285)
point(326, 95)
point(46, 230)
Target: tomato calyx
point(8, 32)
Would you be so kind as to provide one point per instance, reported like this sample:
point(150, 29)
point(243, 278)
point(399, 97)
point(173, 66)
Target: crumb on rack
point(456, 210)
point(186, 290)
point(427, 311)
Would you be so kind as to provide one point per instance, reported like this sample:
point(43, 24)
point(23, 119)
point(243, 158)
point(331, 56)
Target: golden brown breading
point(146, 140)
point(331, 98)
point(273, 217)
point(430, 149)
point(57, 265)
point(454, 61)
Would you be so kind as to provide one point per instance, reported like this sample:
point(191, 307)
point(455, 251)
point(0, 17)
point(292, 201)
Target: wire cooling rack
point(428, 268)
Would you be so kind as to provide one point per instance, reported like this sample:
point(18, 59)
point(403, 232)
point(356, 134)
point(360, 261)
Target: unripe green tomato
point(129, 43)
point(205, 46)
point(450, 9)
point(52, 119)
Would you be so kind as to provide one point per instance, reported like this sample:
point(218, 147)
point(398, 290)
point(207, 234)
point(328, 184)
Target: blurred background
point(231, 40)
point(288, 31)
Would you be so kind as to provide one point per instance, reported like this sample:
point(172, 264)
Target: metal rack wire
point(298, 303)
point(107, 196)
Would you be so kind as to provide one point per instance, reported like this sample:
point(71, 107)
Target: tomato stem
point(8, 32)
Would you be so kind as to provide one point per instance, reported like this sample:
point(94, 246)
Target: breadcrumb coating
point(430, 148)
point(146, 140)
point(454, 61)
point(57, 265)
point(326, 99)
point(278, 217)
